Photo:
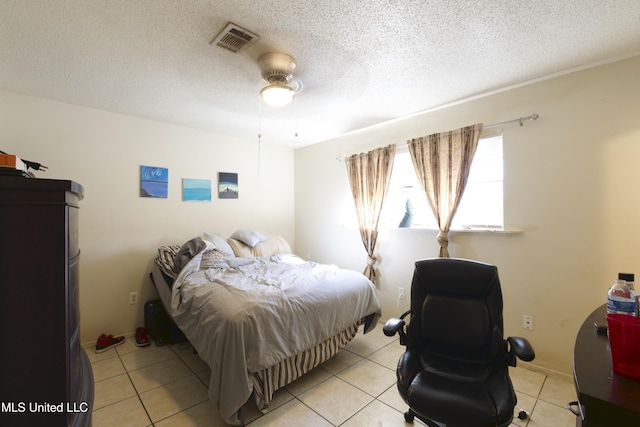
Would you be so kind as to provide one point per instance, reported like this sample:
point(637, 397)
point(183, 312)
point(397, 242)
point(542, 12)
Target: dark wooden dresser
point(45, 376)
point(605, 398)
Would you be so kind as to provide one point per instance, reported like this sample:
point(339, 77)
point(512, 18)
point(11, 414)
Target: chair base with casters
point(455, 367)
point(409, 416)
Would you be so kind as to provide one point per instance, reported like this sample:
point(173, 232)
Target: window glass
point(481, 205)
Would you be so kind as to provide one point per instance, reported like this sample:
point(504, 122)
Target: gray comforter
point(243, 315)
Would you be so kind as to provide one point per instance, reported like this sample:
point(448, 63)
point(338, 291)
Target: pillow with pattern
point(212, 258)
point(165, 259)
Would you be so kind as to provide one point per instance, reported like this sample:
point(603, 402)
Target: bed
point(257, 314)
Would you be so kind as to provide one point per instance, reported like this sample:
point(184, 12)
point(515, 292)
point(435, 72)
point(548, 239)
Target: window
point(481, 206)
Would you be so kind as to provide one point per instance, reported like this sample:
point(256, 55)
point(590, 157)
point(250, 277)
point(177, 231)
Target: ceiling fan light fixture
point(277, 94)
point(277, 70)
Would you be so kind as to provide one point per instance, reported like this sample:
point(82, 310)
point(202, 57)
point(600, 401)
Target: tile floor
point(167, 386)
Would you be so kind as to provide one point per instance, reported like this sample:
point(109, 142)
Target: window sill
point(478, 230)
point(488, 230)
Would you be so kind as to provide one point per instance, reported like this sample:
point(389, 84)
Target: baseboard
point(545, 371)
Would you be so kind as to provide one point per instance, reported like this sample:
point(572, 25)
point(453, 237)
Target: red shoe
point(105, 342)
point(141, 337)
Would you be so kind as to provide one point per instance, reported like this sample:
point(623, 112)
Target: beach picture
point(154, 182)
point(227, 185)
point(198, 190)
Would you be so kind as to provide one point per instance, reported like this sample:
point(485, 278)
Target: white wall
point(571, 183)
point(120, 231)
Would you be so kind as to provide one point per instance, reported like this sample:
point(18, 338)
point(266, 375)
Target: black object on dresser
point(45, 376)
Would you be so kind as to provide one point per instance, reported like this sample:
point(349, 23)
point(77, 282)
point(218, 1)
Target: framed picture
point(198, 190)
point(227, 185)
point(154, 182)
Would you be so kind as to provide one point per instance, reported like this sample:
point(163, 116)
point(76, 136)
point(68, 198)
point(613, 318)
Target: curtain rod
point(533, 116)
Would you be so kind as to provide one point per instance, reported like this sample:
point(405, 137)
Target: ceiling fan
point(276, 68)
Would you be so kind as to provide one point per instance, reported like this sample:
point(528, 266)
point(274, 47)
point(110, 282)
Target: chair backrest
point(457, 311)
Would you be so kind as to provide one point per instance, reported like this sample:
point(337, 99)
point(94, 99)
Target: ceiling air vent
point(234, 38)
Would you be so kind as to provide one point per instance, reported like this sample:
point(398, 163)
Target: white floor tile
point(107, 368)
point(376, 413)
point(150, 377)
point(392, 398)
point(525, 403)
point(388, 356)
point(146, 356)
point(308, 380)
point(364, 345)
point(341, 361)
point(293, 413)
point(335, 400)
point(112, 390)
point(547, 414)
point(172, 398)
point(194, 362)
point(369, 377)
point(201, 415)
point(128, 412)
point(354, 388)
point(526, 381)
point(558, 391)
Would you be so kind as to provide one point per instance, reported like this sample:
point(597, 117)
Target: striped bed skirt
point(267, 381)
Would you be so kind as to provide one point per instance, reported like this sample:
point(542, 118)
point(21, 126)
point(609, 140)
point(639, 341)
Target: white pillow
point(248, 237)
point(220, 244)
point(240, 249)
point(270, 246)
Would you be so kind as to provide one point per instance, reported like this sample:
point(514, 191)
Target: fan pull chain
point(295, 117)
point(259, 131)
point(259, 150)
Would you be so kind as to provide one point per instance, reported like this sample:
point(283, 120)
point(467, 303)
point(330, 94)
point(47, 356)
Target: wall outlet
point(133, 298)
point(400, 293)
point(527, 322)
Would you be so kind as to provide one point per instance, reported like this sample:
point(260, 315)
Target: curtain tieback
point(371, 260)
point(443, 238)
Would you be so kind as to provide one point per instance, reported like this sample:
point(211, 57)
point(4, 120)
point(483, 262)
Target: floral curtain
point(442, 162)
point(369, 175)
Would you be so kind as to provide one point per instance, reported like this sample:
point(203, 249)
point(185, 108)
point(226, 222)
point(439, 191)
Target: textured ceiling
point(362, 62)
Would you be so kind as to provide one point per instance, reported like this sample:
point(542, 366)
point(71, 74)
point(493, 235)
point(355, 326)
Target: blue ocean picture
point(196, 190)
point(227, 185)
point(154, 182)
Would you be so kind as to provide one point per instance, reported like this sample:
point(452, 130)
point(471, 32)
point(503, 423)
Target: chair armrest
point(392, 326)
point(395, 325)
point(521, 348)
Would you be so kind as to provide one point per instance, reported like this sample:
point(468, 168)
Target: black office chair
point(455, 368)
